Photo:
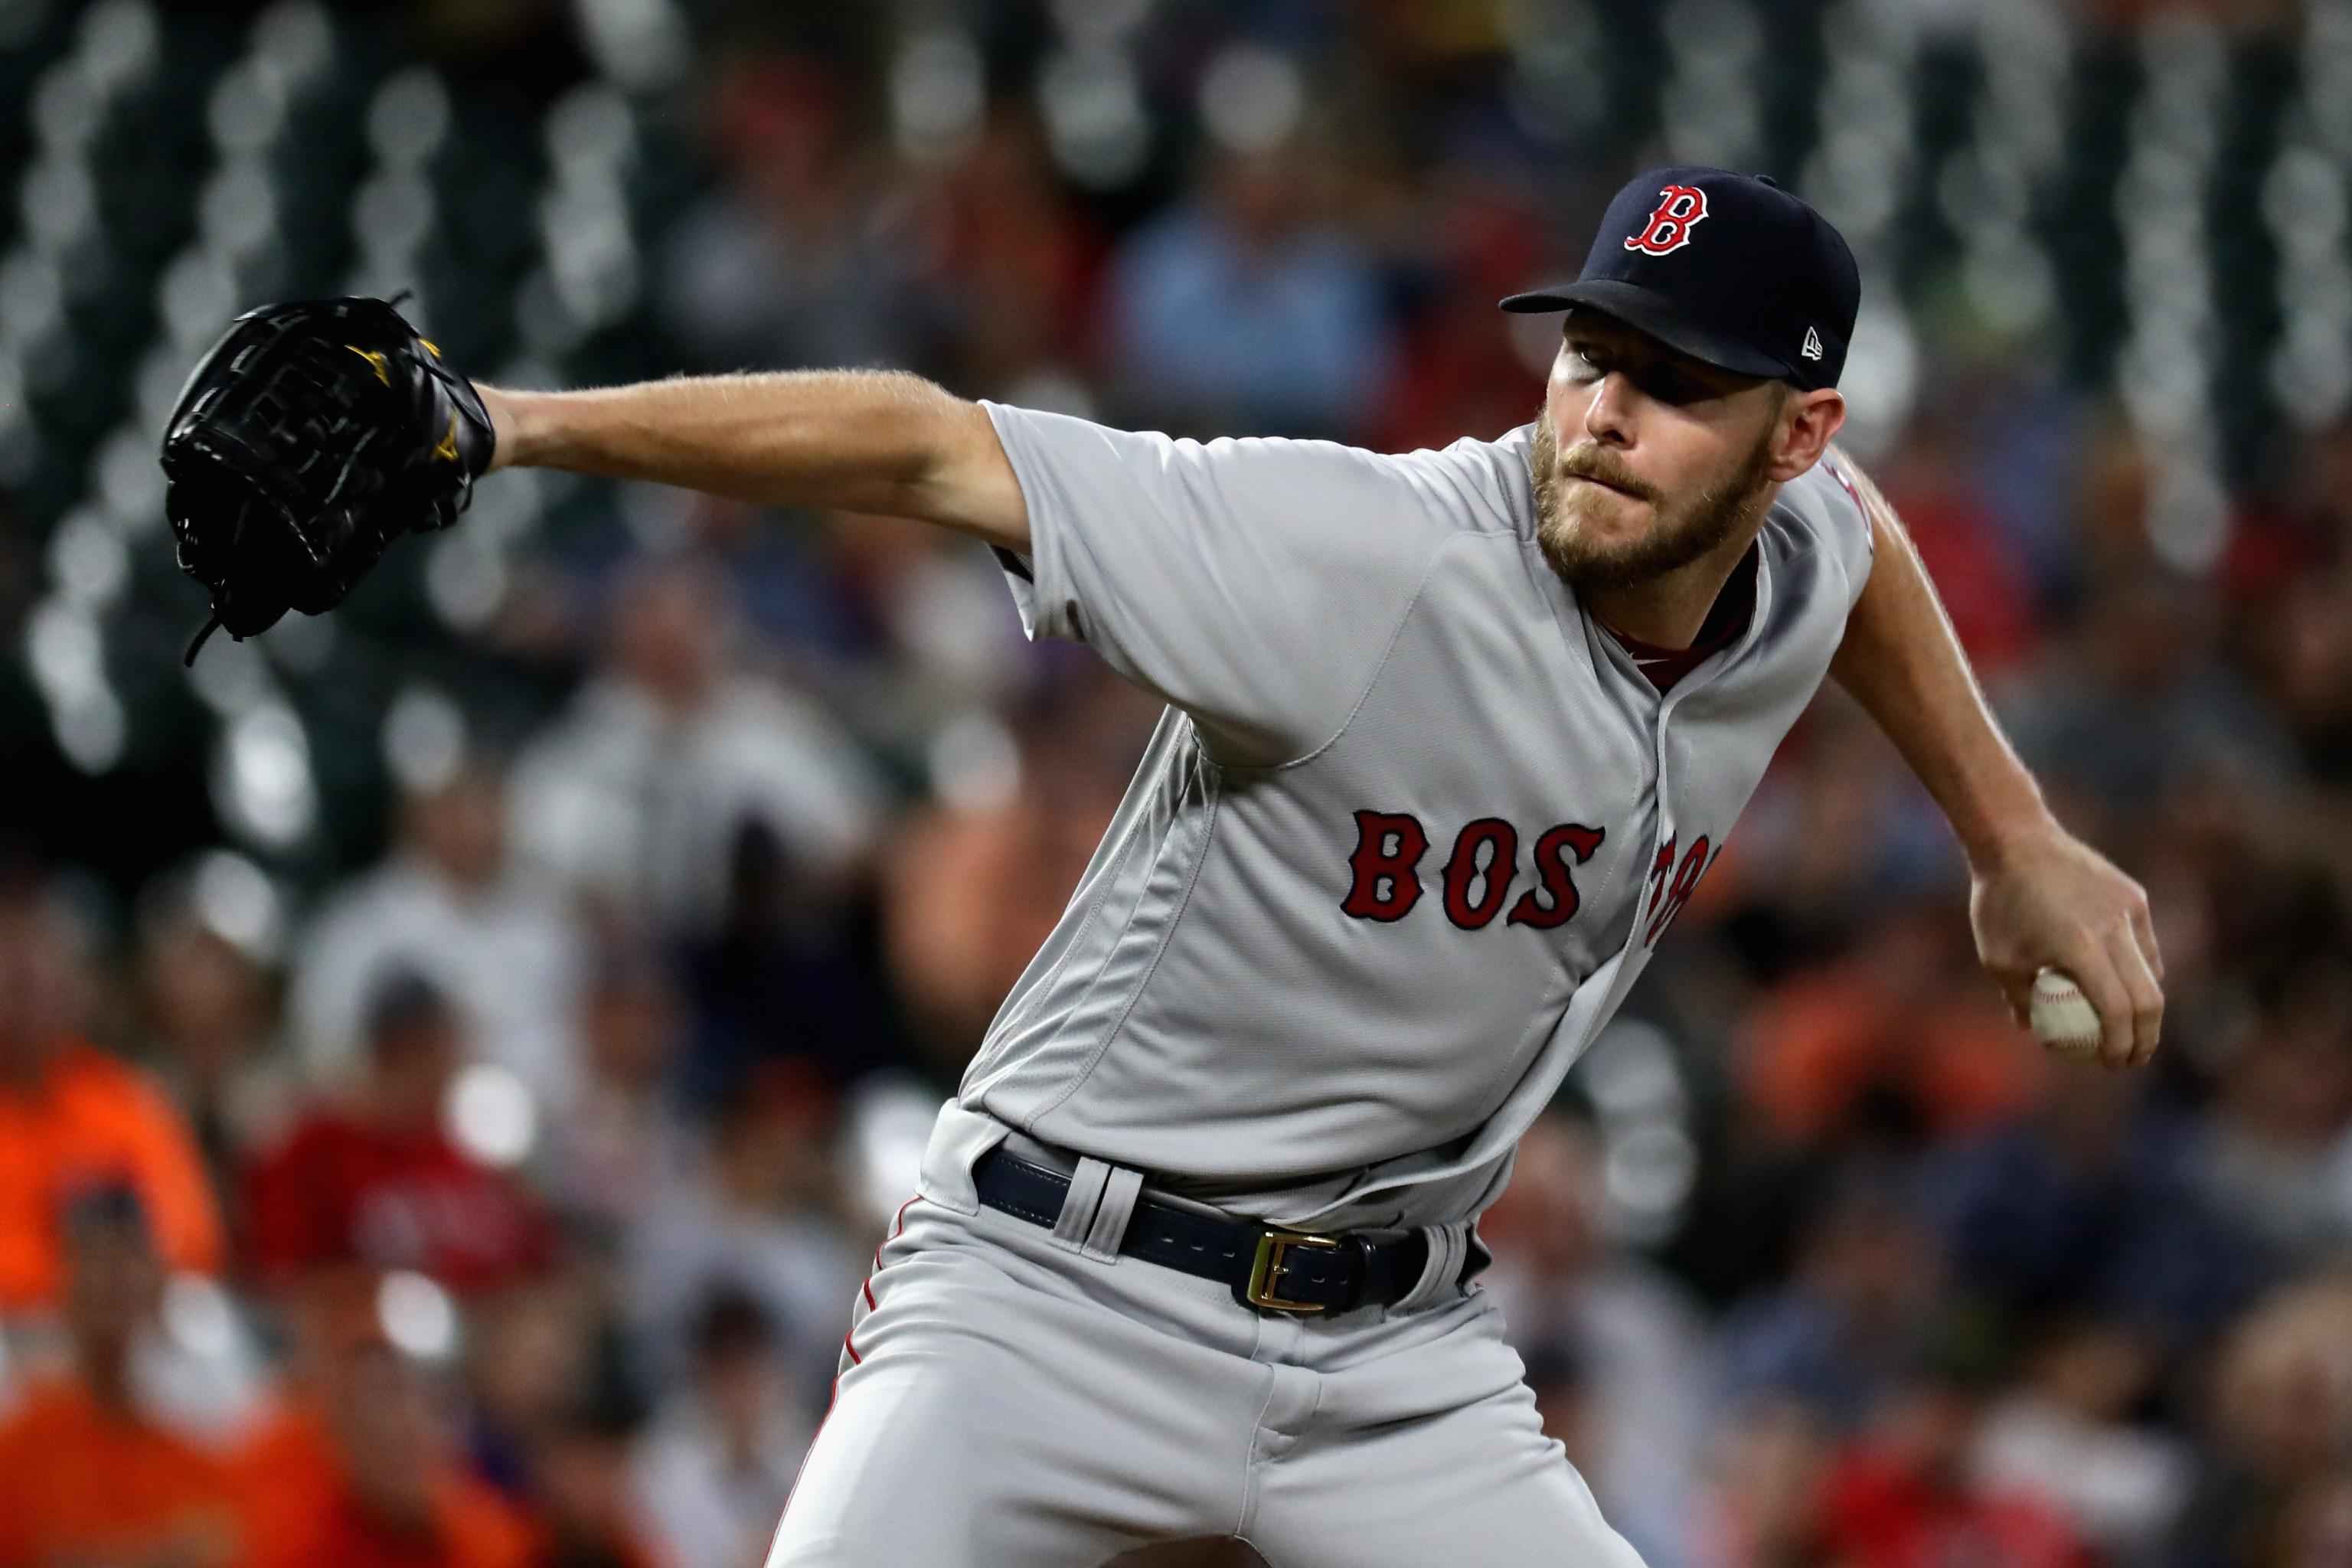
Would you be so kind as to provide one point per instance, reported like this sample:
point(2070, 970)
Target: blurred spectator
point(1767, 1468)
point(1838, 830)
point(972, 884)
point(717, 1462)
point(2290, 581)
point(73, 1118)
point(794, 970)
point(625, 1138)
point(2273, 1154)
point(2093, 1204)
point(551, 1425)
point(1571, 1299)
point(530, 1356)
point(88, 1474)
point(2309, 653)
point(449, 904)
point(209, 1015)
point(378, 1179)
point(2281, 1429)
point(1901, 1040)
point(1979, 573)
point(924, 615)
point(361, 1469)
point(2316, 1531)
point(1463, 367)
point(1852, 1314)
point(1016, 261)
point(792, 262)
point(2140, 712)
point(636, 797)
point(592, 1516)
point(1903, 1495)
point(2068, 1435)
point(759, 1213)
point(1242, 309)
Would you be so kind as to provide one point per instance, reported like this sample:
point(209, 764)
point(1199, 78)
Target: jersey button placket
point(1662, 719)
point(1663, 840)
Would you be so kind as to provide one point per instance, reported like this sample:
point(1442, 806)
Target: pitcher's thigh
point(911, 1469)
point(1480, 1485)
point(987, 1423)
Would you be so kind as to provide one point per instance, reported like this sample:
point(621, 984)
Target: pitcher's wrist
point(1995, 834)
point(511, 446)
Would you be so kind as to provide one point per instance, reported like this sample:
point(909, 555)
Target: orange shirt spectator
point(365, 1485)
point(362, 1468)
point(81, 1482)
point(1904, 1019)
point(84, 1477)
point(81, 1120)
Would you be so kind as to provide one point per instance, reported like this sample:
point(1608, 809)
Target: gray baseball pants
point(1015, 1398)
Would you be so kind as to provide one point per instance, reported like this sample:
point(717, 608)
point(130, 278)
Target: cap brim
point(1656, 316)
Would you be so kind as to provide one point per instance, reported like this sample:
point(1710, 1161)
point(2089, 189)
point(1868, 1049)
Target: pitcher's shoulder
point(1476, 485)
point(1824, 506)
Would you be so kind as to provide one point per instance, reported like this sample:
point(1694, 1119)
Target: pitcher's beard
point(1676, 535)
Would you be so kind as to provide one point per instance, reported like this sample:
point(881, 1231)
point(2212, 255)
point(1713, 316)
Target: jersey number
point(1477, 882)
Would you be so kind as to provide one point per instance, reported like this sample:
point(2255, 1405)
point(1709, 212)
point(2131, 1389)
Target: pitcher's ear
point(1813, 419)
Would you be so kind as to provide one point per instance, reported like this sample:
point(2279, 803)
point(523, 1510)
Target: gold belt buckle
point(1271, 1262)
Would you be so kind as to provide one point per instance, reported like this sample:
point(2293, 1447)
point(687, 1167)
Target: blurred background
point(457, 1057)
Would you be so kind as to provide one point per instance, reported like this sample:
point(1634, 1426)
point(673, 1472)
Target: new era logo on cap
point(1812, 349)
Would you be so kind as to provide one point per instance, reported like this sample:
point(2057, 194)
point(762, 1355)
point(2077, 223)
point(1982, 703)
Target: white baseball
point(2063, 1019)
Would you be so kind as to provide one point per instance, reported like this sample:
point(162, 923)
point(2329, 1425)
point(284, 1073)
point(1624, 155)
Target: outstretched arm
point(871, 441)
point(2038, 895)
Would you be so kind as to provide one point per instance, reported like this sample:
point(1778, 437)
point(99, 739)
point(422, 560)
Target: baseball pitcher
point(1450, 737)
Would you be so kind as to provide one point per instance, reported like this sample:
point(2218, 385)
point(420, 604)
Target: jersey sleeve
point(1830, 502)
point(1255, 584)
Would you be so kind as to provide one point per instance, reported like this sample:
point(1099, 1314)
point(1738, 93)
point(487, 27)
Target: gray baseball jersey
point(1412, 825)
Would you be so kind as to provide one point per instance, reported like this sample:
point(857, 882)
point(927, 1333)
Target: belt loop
point(1077, 1215)
point(1113, 1211)
point(1449, 1245)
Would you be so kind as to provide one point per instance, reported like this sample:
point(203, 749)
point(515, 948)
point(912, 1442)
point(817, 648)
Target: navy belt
point(1272, 1269)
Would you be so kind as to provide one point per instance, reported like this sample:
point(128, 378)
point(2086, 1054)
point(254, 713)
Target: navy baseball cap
point(1725, 268)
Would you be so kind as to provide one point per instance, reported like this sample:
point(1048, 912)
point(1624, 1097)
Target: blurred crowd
point(500, 1202)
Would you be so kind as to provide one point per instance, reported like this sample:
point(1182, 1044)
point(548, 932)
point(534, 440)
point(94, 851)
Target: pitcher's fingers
point(2094, 971)
point(2144, 933)
point(2019, 994)
point(2146, 996)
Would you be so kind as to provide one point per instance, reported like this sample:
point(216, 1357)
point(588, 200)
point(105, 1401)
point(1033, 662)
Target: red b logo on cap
point(1679, 210)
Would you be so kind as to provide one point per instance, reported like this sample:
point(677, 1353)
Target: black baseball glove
point(314, 434)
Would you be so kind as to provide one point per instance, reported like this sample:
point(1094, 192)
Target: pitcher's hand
point(2049, 899)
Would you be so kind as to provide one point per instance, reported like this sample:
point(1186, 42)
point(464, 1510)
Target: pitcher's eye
point(1672, 387)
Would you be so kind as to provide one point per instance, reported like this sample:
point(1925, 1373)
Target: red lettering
point(1557, 853)
point(1661, 870)
point(1679, 210)
point(1462, 869)
point(1374, 862)
point(1694, 867)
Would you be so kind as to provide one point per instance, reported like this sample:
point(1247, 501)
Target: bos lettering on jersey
point(1479, 872)
point(1385, 880)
